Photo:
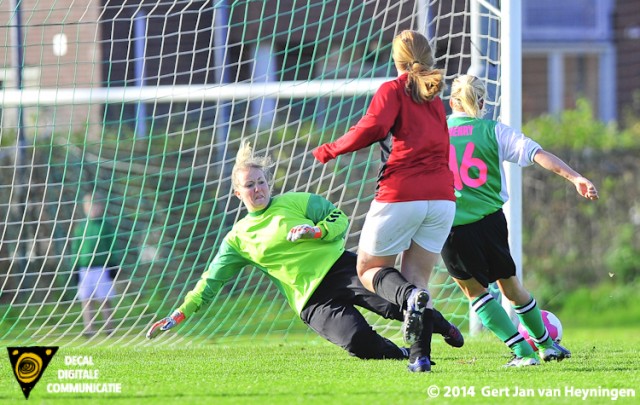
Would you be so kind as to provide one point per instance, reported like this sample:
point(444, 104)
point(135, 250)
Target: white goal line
point(184, 93)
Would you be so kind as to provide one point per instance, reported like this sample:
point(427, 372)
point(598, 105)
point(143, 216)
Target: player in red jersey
point(414, 203)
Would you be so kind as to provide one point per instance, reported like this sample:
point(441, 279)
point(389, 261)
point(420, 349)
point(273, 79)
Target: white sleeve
point(514, 146)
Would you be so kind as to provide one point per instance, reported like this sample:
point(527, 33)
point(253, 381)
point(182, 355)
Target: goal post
point(497, 35)
point(511, 114)
point(143, 106)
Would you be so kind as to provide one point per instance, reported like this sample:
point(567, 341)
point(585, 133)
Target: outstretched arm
point(371, 128)
point(225, 265)
point(554, 164)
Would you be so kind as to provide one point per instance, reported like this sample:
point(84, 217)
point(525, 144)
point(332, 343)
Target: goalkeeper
point(297, 239)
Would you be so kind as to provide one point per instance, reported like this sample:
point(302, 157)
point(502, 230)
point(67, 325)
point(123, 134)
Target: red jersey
point(417, 167)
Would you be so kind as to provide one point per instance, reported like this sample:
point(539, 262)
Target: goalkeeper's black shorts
point(331, 312)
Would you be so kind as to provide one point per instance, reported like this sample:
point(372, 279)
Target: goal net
point(142, 105)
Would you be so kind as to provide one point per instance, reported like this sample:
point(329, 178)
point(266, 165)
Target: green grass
point(316, 372)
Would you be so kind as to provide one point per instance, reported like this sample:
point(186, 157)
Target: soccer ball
point(553, 324)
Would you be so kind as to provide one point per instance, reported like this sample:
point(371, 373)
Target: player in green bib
point(297, 239)
point(476, 252)
point(97, 260)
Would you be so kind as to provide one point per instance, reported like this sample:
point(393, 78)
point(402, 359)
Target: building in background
point(61, 50)
point(571, 49)
point(568, 52)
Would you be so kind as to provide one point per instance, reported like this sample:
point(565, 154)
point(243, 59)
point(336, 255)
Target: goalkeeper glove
point(165, 324)
point(304, 231)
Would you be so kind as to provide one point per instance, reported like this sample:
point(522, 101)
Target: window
point(566, 20)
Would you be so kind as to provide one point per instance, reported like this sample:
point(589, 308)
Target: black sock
point(422, 347)
point(440, 324)
point(392, 286)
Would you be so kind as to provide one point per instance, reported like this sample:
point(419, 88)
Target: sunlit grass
point(269, 371)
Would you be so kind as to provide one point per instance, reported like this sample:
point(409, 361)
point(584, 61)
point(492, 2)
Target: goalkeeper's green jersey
point(260, 240)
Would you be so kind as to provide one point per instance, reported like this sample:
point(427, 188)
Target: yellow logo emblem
point(28, 364)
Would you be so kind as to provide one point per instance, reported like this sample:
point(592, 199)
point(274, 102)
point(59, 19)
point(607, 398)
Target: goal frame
point(510, 100)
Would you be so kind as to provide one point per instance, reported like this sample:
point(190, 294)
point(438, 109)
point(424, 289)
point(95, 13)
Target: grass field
point(606, 361)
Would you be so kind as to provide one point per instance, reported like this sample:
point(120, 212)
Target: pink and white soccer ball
point(553, 324)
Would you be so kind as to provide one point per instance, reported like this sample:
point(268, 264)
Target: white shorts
point(94, 283)
point(389, 228)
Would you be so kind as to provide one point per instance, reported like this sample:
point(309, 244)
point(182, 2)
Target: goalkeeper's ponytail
point(245, 159)
point(413, 54)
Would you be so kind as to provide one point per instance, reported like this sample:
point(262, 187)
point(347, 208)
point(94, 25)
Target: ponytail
point(468, 94)
point(413, 54)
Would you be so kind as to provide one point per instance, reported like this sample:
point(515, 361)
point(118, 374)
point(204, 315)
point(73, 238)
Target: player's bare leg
point(88, 315)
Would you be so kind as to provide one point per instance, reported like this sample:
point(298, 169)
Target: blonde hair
point(412, 53)
point(467, 94)
point(245, 159)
